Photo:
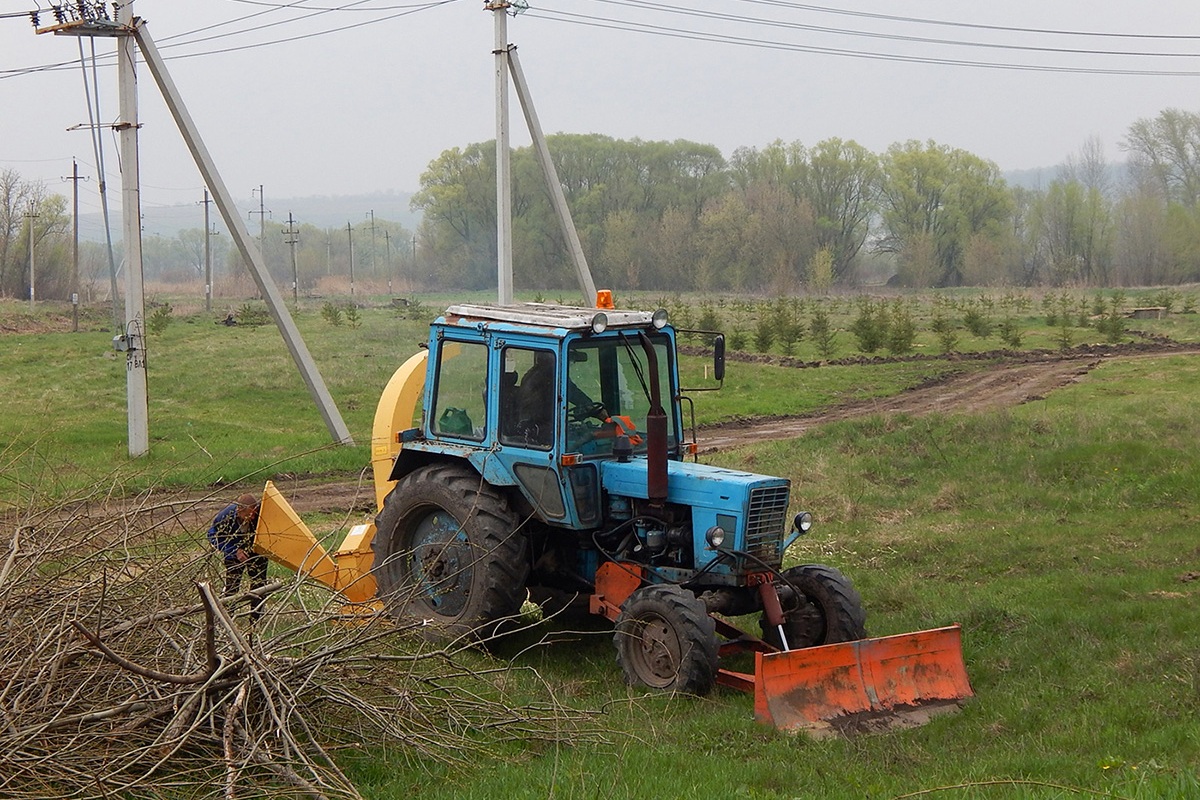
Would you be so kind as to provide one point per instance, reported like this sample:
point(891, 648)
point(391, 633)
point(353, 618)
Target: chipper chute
point(888, 682)
point(282, 537)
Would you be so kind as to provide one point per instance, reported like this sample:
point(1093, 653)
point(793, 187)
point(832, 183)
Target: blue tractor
point(539, 451)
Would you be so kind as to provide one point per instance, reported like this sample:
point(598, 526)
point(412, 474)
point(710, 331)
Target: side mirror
point(719, 357)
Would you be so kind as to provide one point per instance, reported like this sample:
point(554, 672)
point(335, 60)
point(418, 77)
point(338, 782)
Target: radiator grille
point(764, 525)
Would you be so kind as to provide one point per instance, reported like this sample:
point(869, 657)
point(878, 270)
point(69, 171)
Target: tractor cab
point(535, 396)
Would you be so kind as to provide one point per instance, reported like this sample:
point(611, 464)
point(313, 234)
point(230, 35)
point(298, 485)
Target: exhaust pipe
point(656, 432)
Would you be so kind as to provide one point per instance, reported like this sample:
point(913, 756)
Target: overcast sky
point(365, 109)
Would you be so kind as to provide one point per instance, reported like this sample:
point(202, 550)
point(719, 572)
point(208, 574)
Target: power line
point(973, 25)
point(771, 23)
point(319, 8)
point(742, 41)
point(61, 65)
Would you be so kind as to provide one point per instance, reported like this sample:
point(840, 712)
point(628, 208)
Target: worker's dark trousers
point(256, 567)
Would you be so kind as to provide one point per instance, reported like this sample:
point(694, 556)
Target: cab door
point(530, 423)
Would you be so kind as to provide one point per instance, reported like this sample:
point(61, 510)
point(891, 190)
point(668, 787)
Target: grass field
point(1062, 534)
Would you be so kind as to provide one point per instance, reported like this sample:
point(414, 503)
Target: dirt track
point(1004, 382)
point(1007, 381)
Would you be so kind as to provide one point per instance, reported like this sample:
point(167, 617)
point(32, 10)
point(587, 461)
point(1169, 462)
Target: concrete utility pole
point(241, 236)
point(208, 293)
point(290, 237)
point(350, 237)
point(262, 221)
point(506, 64)
point(132, 339)
point(31, 215)
point(374, 266)
point(88, 20)
point(75, 179)
point(504, 263)
point(387, 244)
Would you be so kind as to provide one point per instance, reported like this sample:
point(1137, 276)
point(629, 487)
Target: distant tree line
point(676, 216)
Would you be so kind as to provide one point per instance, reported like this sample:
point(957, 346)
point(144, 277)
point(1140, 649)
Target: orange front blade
point(841, 685)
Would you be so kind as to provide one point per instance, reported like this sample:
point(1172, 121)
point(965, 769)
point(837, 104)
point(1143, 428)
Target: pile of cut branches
point(122, 673)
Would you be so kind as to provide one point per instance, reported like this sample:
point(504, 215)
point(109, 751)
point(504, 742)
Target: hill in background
point(323, 211)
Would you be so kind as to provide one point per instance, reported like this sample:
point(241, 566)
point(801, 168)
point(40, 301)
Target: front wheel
point(820, 606)
point(447, 549)
point(666, 640)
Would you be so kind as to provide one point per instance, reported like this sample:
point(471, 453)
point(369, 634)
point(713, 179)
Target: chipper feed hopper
point(536, 451)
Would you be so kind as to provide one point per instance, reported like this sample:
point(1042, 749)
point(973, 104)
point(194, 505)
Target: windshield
point(609, 379)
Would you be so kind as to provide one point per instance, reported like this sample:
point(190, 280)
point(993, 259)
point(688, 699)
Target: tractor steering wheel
point(595, 410)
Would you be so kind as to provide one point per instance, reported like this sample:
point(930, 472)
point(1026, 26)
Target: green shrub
point(332, 313)
point(870, 328)
point(902, 331)
point(353, 318)
point(764, 333)
point(709, 320)
point(416, 310)
point(1064, 338)
point(1166, 298)
point(977, 319)
point(943, 327)
point(1112, 325)
point(1050, 310)
point(253, 314)
point(159, 318)
point(1010, 334)
point(822, 333)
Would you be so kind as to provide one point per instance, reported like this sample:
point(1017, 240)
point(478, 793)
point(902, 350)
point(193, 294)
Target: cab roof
point(545, 315)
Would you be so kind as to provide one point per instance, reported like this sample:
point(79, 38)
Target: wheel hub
point(439, 566)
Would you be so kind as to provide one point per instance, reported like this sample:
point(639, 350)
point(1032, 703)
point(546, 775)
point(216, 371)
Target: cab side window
point(527, 406)
point(460, 398)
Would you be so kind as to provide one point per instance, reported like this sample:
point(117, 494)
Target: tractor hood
point(752, 509)
point(688, 483)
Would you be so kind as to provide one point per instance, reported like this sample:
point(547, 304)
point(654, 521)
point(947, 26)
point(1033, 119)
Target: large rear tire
point(666, 640)
point(820, 606)
point(447, 549)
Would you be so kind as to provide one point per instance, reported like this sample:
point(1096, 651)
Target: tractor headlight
point(599, 322)
point(715, 536)
point(659, 319)
point(803, 522)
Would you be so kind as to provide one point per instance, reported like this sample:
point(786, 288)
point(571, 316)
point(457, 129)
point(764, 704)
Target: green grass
point(1061, 534)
